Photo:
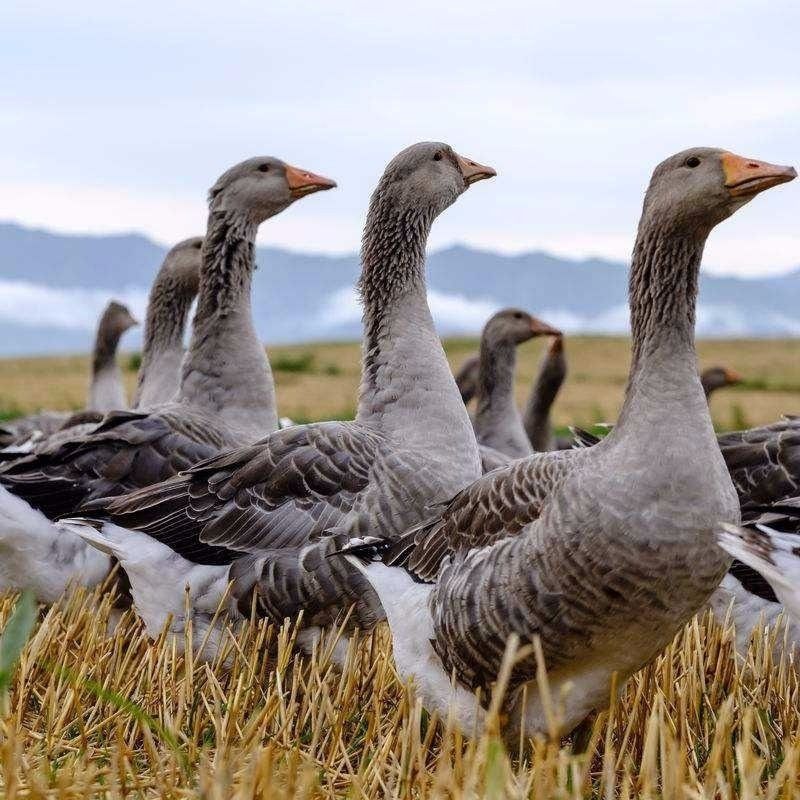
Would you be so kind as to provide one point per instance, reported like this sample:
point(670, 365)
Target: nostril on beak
point(753, 165)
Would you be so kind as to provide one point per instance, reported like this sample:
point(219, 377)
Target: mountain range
point(53, 286)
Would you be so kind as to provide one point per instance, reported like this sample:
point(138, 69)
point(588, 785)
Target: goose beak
point(746, 177)
point(539, 328)
point(473, 171)
point(302, 182)
point(732, 376)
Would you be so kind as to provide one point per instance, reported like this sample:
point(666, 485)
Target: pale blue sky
point(118, 116)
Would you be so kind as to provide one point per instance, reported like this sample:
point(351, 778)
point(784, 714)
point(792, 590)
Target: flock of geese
point(462, 533)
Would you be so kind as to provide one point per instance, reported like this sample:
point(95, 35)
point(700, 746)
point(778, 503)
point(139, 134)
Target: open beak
point(746, 177)
point(302, 182)
point(473, 171)
point(732, 377)
point(540, 328)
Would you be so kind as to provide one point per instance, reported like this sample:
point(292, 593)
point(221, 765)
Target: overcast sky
point(118, 119)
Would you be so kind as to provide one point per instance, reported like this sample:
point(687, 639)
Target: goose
point(600, 554)
point(225, 398)
point(714, 378)
point(256, 516)
point(171, 295)
point(106, 390)
point(497, 421)
point(536, 417)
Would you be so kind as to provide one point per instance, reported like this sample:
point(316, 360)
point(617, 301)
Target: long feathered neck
point(406, 384)
point(106, 391)
point(105, 348)
point(663, 296)
point(162, 350)
point(540, 401)
point(226, 372)
point(495, 393)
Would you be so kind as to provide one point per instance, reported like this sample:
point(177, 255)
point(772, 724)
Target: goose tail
point(774, 554)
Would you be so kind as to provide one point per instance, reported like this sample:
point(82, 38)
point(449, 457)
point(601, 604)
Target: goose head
point(514, 326)
point(714, 378)
point(116, 319)
point(260, 188)
point(426, 178)
point(698, 188)
point(183, 262)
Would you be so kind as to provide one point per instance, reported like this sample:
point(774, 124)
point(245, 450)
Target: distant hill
point(52, 287)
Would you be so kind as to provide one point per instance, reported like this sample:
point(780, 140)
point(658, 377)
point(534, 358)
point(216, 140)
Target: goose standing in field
point(548, 382)
point(603, 553)
point(497, 421)
point(714, 378)
point(171, 296)
point(106, 390)
point(258, 515)
point(226, 396)
point(536, 416)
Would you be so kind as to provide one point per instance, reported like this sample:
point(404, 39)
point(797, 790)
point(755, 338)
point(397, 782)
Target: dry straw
point(98, 715)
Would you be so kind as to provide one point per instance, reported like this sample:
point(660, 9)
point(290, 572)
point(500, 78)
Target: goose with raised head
point(171, 296)
point(260, 513)
point(497, 421)
point(603, 553)
point(225, 398)
point(106, 389)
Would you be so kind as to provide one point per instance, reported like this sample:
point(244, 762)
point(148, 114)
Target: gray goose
point(497, 421)
point(411, 444)
point(603, 553)
point(536, 415)
point(106, 390)
point(225, 398)
point(171, 295)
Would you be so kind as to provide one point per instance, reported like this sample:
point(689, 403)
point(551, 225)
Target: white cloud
point(33, 305)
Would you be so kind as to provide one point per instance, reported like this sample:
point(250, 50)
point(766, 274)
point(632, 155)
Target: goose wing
point(496, 506)
point(126, 451)
point(764, 462)
point(282, 492)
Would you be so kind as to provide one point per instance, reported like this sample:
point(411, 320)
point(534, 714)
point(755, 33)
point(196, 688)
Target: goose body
point(225, 397)
point(603, 554)
point(272, 513)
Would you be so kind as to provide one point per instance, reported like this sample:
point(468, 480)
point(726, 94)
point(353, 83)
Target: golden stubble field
point(319, 381)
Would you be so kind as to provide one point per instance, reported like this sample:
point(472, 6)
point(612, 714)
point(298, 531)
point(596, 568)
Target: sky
point(119, 116)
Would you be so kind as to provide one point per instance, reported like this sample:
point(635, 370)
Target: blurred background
point(116, 118)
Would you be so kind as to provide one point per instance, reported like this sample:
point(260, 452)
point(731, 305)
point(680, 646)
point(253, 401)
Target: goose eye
point(437, 156)
point(198, 245)
point(263, 167)
point(693, 161)
point(517, 316)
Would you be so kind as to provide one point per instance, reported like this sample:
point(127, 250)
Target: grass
point(99, 715)
point(90, 714)
point(319, 381)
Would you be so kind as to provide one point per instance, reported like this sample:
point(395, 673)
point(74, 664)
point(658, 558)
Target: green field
point(319, 381)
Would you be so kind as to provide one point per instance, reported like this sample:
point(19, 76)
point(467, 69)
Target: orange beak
point(302, 182)
point(473, 171)
point(732, 377)
point(746, 177)
point(539, 328)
